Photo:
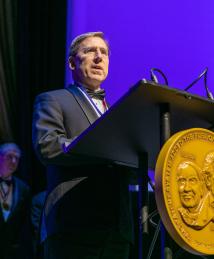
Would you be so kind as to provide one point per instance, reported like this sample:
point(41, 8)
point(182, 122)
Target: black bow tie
point(99, 94)
point(8, 182)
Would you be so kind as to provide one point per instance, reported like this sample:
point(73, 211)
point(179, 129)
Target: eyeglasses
point(12, 157)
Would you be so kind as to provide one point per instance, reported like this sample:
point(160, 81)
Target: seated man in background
point(15, 234)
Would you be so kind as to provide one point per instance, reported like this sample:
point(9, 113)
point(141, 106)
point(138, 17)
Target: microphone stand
point(165, 133)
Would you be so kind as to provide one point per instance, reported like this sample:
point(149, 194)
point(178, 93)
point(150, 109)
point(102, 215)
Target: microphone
point(204, 73)
point(209, 94)
point(154, 77)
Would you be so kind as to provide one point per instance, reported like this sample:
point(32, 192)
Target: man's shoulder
point(39, 198)
point(19, 182)
point(55, 94)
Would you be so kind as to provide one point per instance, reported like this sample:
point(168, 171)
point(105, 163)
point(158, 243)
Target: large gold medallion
point(184, 189)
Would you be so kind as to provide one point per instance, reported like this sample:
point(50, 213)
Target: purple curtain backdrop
point(174, 36)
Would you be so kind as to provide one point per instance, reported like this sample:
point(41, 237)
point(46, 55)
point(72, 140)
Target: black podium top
point(132, 125)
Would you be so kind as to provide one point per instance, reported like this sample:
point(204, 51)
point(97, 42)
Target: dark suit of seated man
point(15, 229)
point(87, 212)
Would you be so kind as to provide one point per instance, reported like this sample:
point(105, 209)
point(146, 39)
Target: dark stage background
point(32, 49)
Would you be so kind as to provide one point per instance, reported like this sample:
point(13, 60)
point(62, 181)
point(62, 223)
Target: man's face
point(8, 163)
point(189, 187)
point(209, 178)
point(90, 64)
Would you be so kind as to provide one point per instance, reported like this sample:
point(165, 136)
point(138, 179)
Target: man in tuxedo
point(87, 212)
point(15, 234)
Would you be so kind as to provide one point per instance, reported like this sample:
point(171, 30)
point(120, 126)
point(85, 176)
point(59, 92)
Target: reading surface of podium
point(133, 124)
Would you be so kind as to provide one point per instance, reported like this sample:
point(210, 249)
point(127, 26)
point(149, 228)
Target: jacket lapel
point(84, 103)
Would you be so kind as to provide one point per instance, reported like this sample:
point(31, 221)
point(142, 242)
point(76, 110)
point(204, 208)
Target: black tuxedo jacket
point(82, 195)
point(15, 237)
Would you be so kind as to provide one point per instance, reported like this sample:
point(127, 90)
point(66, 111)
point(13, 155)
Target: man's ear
point(71, 63)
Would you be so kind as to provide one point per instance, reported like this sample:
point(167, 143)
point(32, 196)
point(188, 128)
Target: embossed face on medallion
point(189, 185)
point(208, 171)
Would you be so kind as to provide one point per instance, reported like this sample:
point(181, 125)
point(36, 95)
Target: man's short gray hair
point(5, 147)
point(197, 169)
point(76, 41)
